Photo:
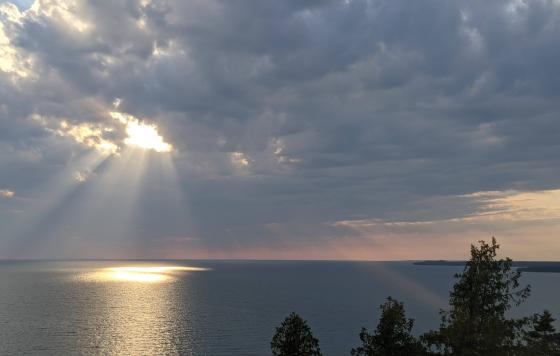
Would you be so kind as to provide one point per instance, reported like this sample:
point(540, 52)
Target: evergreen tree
point(294, 338)
point(542, 339)
point(392, 337)
point(476, 323)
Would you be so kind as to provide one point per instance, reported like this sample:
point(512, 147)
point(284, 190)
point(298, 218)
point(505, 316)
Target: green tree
point(476, 324)
point(392, 337)
point(294, 338)
point(542, 339)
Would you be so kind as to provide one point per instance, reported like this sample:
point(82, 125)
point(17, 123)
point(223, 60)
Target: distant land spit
point(523, 266)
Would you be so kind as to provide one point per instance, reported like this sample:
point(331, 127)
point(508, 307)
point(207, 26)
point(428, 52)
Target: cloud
point(239, 160)
point(494, 207)
point(90, 135)
point(12, 62)
point(517, 218)
point(108, 137)
point(81, 177)
point(298, 114)
point(6, 193)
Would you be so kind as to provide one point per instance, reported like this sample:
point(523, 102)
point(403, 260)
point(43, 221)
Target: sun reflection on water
point(143, 274)
point(140, 307)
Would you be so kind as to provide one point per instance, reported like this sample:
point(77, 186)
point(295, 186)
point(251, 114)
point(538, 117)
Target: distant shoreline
point(523, 266)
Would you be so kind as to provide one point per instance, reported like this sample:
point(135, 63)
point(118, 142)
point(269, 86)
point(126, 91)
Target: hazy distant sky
point(382, 129)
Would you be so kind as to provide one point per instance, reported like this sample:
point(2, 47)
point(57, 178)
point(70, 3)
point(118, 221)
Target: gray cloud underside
point(346, 110)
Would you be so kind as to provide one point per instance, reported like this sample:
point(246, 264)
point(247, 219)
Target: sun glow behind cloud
point(89, 135)
point(6, 193)
point(145, 136)
point(108, 137)
point(141, 134)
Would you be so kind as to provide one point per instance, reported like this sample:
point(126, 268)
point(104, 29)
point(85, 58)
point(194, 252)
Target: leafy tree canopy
point(392, 337)
point(542, 339)
point(294, 338)
point(476, 324)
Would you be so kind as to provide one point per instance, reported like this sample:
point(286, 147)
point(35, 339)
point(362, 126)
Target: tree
point(476, 322)
point(542, 339)
point(392, 337)
point(294, 338)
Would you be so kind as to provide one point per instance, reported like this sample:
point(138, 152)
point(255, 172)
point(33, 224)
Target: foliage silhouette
point(542, 339)
point(476, 323)
point(294, 338)
point(392, 337)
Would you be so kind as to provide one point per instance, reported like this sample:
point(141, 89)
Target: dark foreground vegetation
point(475, 323)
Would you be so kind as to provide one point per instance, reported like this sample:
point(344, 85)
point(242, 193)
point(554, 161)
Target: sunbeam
point(47, 201)
point(108, 207)
point(119, 200)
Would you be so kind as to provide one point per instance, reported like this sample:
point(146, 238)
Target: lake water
point(215, 307)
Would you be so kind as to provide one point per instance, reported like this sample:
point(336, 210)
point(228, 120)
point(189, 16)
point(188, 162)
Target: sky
point(357, 129)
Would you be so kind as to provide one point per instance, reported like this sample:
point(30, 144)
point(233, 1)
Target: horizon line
point(250, 260)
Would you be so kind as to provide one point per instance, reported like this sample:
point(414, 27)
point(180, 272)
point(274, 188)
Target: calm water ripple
point(213, 307)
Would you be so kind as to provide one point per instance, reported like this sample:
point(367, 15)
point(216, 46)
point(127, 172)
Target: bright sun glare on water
point(146, 274)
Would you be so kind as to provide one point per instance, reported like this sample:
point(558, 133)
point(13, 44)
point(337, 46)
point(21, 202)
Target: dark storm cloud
point(288, 116)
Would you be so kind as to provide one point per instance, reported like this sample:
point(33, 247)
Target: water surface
point(214, 307)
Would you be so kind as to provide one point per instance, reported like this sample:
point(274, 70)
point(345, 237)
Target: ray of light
point(49, 198)
point(126, 202)
point(109, 204)
point(163, 219)
point(176, 196)
point(419, 291)
point(392, 275)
